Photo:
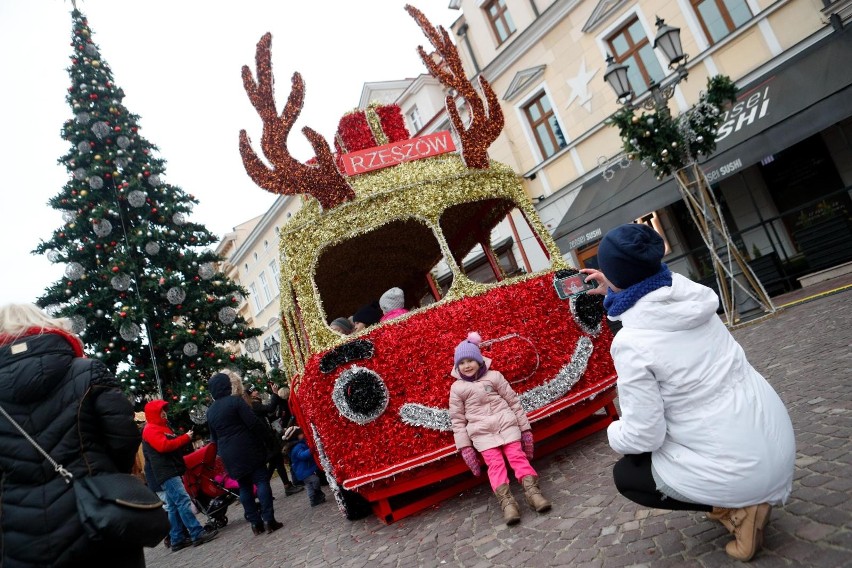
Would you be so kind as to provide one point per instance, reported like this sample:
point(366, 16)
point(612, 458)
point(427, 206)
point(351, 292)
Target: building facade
point(251, 254)
point(783, 165)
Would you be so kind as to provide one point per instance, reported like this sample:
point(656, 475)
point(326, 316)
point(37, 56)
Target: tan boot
point(511, 512)
point(722, 515)
point(749, 523)
point(533, 494)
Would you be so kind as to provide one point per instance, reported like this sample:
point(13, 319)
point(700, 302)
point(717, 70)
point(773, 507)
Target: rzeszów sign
point(395, 153)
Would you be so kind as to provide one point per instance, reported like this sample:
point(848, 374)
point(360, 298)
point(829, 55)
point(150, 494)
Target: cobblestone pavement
point(804, 352)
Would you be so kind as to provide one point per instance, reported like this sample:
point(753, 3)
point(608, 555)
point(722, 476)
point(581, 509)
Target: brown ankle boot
point(749, 523)
point(511, 512)
point(533, 494)
point(722, 515)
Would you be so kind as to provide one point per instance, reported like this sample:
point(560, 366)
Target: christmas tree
point(141, 287)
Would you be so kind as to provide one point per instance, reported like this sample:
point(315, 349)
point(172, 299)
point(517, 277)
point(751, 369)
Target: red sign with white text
point(364, 161)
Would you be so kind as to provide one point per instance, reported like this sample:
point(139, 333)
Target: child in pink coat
point(487, 416)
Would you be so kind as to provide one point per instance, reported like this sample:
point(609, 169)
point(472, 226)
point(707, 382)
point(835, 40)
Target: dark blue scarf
point(616, 303)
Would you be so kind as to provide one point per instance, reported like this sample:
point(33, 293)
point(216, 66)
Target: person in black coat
point(274, 446)
point(73, 408)
point(240, 438)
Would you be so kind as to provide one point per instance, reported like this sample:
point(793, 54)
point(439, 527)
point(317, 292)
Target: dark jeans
point(258, 478)
point(315, 494)
point(634, 480)
point(277, 464)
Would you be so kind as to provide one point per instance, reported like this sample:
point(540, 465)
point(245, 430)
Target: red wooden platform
point(411, 491)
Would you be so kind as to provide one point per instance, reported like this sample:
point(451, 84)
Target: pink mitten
point(527, 443)
point(472, 460)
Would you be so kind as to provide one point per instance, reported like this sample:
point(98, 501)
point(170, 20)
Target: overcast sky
point(179, 63)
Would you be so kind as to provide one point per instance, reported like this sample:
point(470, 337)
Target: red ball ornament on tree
point(123, 314)
point(232, 357)
point(117, 129)
point(115, 269)
point(93, 97)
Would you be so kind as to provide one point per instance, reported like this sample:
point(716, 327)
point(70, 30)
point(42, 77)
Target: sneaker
point(273, 526)
point(292, 490)
point(206, 536)
point(181, 545)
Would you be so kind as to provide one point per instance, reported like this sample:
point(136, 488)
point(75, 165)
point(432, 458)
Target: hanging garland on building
point(667, 144)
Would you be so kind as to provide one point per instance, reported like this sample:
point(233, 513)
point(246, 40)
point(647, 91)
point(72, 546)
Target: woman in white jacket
point(700, 428)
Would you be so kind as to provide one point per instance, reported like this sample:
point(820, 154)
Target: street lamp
point(672, 146)
point(668, 41)
point(271, 351)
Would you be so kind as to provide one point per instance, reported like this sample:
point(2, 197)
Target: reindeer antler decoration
point(485, 124)
point(287, 176)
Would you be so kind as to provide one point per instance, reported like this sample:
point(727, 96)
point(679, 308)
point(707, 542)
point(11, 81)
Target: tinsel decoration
point(252, 345)
point(74, 271)
point(422, 416)
point(227, 315)
point(328, 469)
point(287, 176)
point(360, 395)
point(198, 414)
point(129, 331)
point(176, 295)
point(486, 117)
point(101, 227)
point(121, 282)
point(588, 312)
point(352, 351)
point(136, 198)
point(567, 377)
point(667, 144)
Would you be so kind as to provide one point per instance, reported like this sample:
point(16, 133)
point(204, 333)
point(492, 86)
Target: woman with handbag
point(72, 408)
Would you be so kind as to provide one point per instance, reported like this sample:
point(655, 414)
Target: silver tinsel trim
point(329, 471)
point(338, 395)
point(415, 414)
point(566, 378)
point(593, 331)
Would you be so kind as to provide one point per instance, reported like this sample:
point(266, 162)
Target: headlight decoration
point(360, 395)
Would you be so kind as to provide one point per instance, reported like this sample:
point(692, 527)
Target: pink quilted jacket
point(485, 413)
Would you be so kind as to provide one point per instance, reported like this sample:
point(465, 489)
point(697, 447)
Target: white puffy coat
point(719, 433)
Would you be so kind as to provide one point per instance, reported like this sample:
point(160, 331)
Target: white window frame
point(265, 286)
point(255, 297)
point(273, 271)
point(415, 119)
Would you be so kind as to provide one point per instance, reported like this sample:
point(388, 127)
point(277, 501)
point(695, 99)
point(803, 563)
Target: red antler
point(287, 176)
point(485, 124)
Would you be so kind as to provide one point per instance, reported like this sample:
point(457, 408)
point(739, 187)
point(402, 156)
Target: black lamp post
point(272, 351)
point(668, 41)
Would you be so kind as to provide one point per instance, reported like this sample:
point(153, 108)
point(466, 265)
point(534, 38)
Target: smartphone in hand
point(573, 285)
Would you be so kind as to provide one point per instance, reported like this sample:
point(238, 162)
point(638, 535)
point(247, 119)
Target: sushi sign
point(396, 153)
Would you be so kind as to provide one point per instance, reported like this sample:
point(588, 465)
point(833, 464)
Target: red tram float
point(392, 211)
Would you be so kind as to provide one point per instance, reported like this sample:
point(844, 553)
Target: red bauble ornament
point(115, 269)
point(146, 173)
point(93, 97)
point(123, 314)
point(153, 209)
point(117, 129)
point(141, 375)
point(233, 357)
point(192, 332)
point(134, 128)
point(196, 278)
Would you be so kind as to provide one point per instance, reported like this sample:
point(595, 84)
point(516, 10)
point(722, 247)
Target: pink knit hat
point(469, 349)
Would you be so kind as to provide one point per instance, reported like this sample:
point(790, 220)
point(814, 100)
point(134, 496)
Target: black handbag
point(116, 507)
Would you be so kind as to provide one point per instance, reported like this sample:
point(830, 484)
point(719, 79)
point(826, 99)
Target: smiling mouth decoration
point(415, 414)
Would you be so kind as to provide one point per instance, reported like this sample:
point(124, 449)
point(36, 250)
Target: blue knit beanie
point(469, 349)
point(630, 253)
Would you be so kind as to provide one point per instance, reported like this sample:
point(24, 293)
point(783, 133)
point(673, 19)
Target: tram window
point(357, 271)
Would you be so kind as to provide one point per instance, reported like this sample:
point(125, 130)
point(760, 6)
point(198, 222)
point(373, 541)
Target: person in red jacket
point(162, 448)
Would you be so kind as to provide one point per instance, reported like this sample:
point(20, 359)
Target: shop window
point(630, 45)
point(358, 271)
point(500, 19)
point(720, 17)
point(544, 126)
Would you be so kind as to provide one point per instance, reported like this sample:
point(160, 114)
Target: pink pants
point(497, 474)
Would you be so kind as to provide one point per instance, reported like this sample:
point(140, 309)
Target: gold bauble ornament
point(84, 192)
point(98, 157)
point(635, 120)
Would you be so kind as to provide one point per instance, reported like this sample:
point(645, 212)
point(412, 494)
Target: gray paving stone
point(803, 352)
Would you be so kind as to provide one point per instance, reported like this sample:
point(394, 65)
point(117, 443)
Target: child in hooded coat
point(487, 417)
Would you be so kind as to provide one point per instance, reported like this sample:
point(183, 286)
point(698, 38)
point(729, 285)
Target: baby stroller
point(201, 479)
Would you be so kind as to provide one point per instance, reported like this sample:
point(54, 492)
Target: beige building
point(783, 160)
point(252, 259)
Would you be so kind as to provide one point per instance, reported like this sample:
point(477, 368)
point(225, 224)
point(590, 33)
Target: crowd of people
point(700, 429)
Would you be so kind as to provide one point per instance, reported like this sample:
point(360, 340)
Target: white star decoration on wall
point(580, 86)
